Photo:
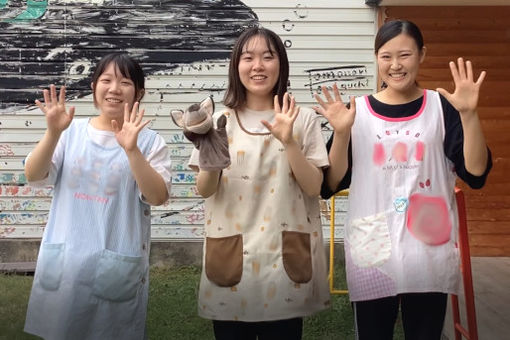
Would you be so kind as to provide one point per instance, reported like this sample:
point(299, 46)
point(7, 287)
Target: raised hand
point(465, 96)
point(284, 118)
point(127, 136)
point(57, 118)
point(335, 111)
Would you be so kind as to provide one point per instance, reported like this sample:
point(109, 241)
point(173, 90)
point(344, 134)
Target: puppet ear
point(208, 105)
point(198, 117)
point(177, 117)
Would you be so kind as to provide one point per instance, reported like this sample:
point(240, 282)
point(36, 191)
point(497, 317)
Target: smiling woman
point(399, 152)
point(263, 250)
point(116, 83)
point(93, 264)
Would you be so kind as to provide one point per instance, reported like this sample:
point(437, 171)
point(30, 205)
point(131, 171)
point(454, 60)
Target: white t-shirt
point(158, 157)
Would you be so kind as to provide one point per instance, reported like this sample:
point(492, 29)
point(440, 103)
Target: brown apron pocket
point(224, 260)
point(297, 257)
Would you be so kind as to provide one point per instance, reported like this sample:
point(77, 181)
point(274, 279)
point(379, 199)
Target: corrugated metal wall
point(184, 47)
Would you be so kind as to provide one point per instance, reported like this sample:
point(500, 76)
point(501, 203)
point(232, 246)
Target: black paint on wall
point(64, 44)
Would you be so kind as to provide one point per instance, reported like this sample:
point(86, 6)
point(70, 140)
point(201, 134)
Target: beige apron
point(264, 255)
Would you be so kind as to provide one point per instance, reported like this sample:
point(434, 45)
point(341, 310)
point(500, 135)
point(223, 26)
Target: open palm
point(127, 136)
point(339, 116)
point(284, 118)
point(57, 118)
point(465, 96)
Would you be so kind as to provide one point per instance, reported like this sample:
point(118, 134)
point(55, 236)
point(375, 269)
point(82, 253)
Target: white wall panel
point(184, 47)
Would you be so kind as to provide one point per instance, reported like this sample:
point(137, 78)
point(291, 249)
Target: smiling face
point(258, 67)
point(112, 91)
point(398, 62)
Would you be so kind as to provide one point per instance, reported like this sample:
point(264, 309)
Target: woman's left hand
point(284, 118)
point(465, 96)
point(127, 136)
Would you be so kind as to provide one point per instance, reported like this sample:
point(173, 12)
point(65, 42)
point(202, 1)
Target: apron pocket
point(296, 255)
point(428, 219)
point(51, 265)
point(224, 260)
point(369, 241)
point(117, 276)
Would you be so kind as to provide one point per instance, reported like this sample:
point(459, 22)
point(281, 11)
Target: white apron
point(91, 278)
point(401, 231)
point(264, 255)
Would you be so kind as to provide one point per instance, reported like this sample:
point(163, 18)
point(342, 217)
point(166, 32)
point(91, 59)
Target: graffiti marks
point(42, 47)
point(23, 191)
point(23, 218)
point(184, 191)
point(6, 150)
point(24, 204)
point(183, 178)
point(12, 178)
point(301, 12)
point(346, 77)
point(4, 232)
point(80, 67)
point(287, 25)
point(196, 69)
point(34, 10)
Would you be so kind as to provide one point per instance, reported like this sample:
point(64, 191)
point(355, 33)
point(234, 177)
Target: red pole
point(467, 277)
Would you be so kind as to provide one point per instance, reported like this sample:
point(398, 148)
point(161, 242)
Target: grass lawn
point(172, 311)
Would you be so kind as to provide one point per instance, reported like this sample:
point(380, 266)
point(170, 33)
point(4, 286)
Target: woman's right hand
point(339, 116)
point(57, 118)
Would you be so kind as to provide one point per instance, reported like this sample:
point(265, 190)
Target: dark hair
point(235, 96)
point(393, 28)
point(128, 67)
